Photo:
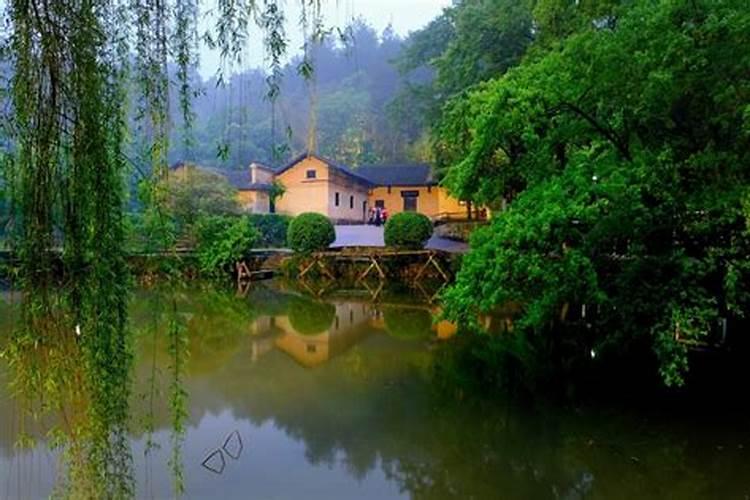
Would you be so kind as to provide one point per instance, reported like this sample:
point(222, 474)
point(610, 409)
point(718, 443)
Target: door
point(410, 200)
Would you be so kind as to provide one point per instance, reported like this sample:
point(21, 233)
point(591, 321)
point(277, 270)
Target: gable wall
point(303, 194)
point(319, 194)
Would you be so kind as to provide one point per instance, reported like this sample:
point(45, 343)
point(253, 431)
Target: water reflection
point(354, 415)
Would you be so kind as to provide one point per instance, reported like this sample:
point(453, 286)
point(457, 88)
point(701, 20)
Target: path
point(372, 236)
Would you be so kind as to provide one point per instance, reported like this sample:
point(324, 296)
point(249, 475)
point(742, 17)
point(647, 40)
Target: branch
point(607, 132)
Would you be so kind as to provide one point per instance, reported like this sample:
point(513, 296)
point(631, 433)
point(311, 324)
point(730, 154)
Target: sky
point(404, 15)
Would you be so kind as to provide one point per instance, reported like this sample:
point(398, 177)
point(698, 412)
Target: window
point(312, 348)
point(351, 202)
point(389, 189)
point(337, 199)
point(311, 174)
point(379, 203)
point(429, 189)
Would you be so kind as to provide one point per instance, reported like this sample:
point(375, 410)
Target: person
point(385, 215)
point(378, 216)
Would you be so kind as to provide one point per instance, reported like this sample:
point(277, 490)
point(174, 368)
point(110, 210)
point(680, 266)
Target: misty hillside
point(354, 86)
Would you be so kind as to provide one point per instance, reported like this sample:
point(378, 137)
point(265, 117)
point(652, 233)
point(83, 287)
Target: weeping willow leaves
point(272, 20)
point(150, 20)
point(186, 57)
point(70, 90)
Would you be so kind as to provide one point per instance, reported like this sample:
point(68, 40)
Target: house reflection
point(314, 332)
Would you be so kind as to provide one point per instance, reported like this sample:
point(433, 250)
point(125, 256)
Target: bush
point(222, 241)
point(272, 227)
point(408, 230)
point(149, 232)
point(310, 232)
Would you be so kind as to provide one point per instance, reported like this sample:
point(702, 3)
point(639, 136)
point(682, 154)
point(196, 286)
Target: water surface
point(296, 397)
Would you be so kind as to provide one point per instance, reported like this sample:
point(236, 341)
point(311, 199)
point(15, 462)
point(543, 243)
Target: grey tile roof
point(398, 175)
point(370, 175)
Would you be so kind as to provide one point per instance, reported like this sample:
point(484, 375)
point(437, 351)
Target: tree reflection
point(310, 317)
point(80, 384)
point(370, 407)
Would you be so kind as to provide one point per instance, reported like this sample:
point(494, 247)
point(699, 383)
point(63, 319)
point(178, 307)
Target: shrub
point(272, 227)
point(310, 232)
point(408, 230)
point(222, 241)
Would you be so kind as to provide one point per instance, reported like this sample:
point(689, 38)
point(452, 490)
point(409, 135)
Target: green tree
point(471, 42)
point(623, 151)
point(194, 191)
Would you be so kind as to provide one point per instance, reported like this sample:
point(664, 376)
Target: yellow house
point(313, 183)
point(409, 188)
point(254, 187)
point(316, 184)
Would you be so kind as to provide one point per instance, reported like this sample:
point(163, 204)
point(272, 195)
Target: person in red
point(385, 215)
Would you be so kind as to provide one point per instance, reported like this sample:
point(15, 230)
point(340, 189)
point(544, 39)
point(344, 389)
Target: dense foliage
point(472, 41)
point(190, 192)
point(408, 230)
point(273, 229)
point(310, 232)
point(222, 241)
point(622, 146)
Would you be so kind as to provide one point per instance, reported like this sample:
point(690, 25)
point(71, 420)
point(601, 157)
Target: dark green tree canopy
point(623, 151)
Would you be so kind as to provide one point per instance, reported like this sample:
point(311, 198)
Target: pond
point(289, 396)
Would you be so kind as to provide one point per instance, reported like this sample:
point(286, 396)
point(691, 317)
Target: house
point(317, 184)
point(254, 188)
point(409, 188)
point(313, 183)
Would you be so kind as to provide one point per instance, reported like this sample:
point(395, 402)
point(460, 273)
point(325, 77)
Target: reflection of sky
point(27, 474)
point(272, 465)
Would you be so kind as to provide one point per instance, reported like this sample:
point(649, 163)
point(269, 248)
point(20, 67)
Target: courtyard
point(372, 236)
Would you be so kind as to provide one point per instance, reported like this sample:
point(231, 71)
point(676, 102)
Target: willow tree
point(74, 66)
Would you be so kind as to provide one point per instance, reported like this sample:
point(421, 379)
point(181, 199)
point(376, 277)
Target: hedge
point(409, 230)
point(272, 227)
